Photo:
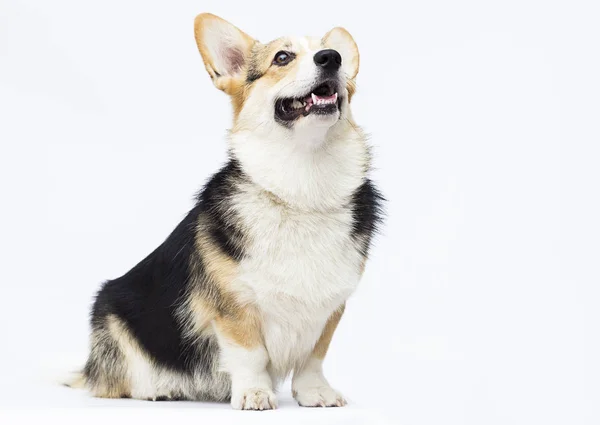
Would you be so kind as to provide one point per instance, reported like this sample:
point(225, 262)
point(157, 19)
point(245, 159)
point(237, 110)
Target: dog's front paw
point(319, 397)
point(254, 399)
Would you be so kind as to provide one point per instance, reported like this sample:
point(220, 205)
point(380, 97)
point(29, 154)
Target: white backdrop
point(480, 302)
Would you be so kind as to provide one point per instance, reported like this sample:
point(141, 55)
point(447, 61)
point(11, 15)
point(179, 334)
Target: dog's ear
point(224, 49)
point(339, 39)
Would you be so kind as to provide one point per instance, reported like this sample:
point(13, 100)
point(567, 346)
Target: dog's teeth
point(334, 97)
point(296, 104)
point(314, 98)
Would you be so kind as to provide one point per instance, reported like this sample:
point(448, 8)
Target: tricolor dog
point(251, 285)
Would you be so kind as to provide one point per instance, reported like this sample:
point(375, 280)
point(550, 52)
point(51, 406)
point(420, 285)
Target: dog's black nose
point(328, 59)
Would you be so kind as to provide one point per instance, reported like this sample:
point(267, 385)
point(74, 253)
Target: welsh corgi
point(251, 285)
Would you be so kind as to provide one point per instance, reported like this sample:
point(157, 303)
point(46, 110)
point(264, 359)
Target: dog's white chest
point(300, 268)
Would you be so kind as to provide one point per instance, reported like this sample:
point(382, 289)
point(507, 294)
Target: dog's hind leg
point(106, 372)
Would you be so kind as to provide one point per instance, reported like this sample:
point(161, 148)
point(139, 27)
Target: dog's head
point(290, 86)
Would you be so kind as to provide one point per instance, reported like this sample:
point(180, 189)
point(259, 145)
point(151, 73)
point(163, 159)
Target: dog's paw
point(319, 397)
point(254, 399)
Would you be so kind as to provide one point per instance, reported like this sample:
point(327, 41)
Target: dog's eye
point(283, 58)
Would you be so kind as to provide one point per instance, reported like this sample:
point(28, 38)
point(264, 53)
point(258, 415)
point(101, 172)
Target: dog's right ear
point(224, 49)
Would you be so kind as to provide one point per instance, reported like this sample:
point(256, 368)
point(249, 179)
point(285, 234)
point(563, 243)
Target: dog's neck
point(303, 171)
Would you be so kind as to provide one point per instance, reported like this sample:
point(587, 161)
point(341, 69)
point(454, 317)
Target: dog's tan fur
point(322, 345)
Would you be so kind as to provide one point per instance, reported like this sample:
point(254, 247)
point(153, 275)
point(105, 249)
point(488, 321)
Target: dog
point(251, 285)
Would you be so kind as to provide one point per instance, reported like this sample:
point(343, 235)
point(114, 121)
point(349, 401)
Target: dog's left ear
point(224, 49)
point(339, 39)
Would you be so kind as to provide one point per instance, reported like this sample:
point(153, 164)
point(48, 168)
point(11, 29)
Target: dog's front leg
point(309, 386)
point(245, 358)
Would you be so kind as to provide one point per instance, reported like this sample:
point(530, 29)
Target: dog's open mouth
point(322, 100)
